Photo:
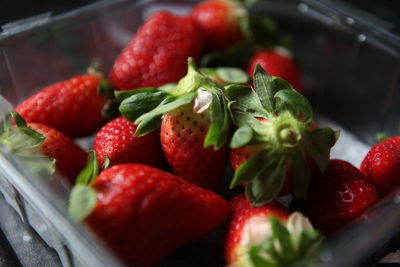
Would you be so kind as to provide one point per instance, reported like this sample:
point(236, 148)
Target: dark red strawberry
point(143, 213)
point(158, 52)
point(339, 196)
point(220, 22)
point(250, 229)
point(116, 141)
point(277, 62)
point(194, 120)
point(277, 146)
point(381, 165)
point(70, 158)
point(73, 107)
point(40, 145)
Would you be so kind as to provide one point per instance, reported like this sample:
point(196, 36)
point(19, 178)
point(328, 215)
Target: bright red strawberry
point(194, 121)
point(70, 158)
point(381, 165)
point(182, 137)
point(115, 139)
point(220, 22)
point(72, 107)
point(277, 146)
point(143, 213)
point(339, 196)
point(158, 52)
point(250, 228)
point(277, 62)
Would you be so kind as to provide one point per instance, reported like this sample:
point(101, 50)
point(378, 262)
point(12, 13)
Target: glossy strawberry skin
point(158, 52)
point(381, 165)
point(339, 196)
point(182, 137)
point(143, 213)
point(278, 64)
point(70, 158)
point(115, 139)
point(72, 107)
point(219, 23)
point(241, 212)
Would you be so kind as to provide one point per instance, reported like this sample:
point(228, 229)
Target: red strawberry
point(381, 165)
point(277, 62)
point(72, 107)
point(276, 146)
point(219, 20)
point(39, 145)
point(116, 140)
point(193, 115)
point(182, 136)
point(143, 213)
point(70, 158)
point(250, 228)
point(339, 196)
point(158, 52)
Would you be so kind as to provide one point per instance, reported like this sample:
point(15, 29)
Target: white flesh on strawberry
point(258, 228)
point(202, 101)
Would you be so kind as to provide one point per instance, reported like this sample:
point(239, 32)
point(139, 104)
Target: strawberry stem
point(90, 172)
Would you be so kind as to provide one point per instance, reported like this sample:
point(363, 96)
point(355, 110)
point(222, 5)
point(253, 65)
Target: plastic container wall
point(351, 67)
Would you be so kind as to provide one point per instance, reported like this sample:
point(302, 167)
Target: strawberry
point(193, 116)
point(48, 142)
point(158, 52)
point(73, 107)
point(277, 62)
point(182, 135)
point(381, 165)
point(339, 196)
point(70, 158)
point(116, 141)
point(268, 234)
point(143, 213)
point(219, 20)
point(276, 142)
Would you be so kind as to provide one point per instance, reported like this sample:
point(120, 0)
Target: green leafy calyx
point(91, 170)
point(24, 143)
point(147, 106)
point(277, 122)
point(82, 199)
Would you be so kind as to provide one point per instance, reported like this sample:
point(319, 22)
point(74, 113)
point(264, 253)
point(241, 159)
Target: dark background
point(11, 10)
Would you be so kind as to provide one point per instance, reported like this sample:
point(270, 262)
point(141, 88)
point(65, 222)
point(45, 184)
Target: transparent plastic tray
point(351, 66)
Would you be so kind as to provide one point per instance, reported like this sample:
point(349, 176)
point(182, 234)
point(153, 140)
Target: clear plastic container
point(351, 66)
